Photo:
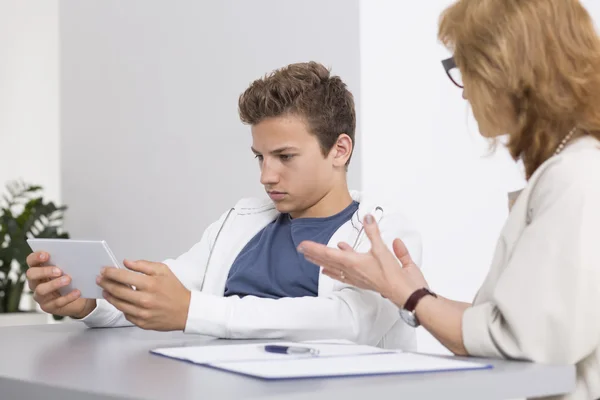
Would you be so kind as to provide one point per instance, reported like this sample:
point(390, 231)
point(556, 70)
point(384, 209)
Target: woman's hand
point(396, 277)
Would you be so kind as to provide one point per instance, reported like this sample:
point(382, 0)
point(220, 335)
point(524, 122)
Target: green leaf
point(33, 189)
point(13, 296)
point(5, 260)
point(26, 214)
point(14, 230)
point(48, 232)
point(33, 212)
point(20, 252)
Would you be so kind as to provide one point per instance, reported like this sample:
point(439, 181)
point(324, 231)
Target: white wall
point(146, 83)
point(421, 150)
point(153, 149)
point(593, 7)
point(29, 124)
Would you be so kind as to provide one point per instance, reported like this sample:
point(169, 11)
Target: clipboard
point(333, 361)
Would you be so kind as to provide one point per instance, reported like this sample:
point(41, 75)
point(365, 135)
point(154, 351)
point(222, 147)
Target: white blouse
point(541, 298)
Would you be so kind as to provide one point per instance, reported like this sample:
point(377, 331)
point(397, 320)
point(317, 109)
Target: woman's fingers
point(402, 253)
point(345, 264)
point(334, 274)
point(324, 256)
point(378, 247)
point(323, 262)
point(337, 275)
point(345, 246)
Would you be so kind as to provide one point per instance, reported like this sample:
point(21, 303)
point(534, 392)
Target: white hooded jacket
point(339, 311)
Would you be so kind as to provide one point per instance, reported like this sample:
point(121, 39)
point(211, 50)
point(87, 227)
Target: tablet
point(82, 260)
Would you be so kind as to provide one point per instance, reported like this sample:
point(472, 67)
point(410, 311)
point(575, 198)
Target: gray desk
point(69, 361)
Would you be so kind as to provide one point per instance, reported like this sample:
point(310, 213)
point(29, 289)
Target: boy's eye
point(259, 157)
point(286, 157)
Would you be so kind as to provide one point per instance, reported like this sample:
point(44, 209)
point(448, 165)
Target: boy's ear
point(342, 150)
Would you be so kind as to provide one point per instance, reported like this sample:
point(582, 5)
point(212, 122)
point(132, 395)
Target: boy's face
point(294, 171)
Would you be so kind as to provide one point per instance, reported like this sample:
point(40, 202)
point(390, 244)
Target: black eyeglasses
point(453, 72)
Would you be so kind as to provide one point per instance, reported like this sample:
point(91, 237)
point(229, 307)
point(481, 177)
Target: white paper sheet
point(378, 364)
point(256, 352)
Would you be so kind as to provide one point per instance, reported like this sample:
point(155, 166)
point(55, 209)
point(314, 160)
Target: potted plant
point(23, 214)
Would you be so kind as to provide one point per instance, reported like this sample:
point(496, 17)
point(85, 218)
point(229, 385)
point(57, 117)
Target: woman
point(532, 69)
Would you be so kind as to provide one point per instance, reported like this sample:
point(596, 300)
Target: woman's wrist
point(426, 302)
point(400, 296)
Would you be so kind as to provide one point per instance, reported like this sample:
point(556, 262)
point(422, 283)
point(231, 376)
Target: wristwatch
point(408, 311)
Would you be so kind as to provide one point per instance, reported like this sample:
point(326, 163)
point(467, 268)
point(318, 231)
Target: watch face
point(409, 318)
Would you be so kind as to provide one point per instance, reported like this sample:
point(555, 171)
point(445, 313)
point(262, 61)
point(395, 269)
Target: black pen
point(291, 350)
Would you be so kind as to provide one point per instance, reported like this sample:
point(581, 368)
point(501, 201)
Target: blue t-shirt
point(271, 267)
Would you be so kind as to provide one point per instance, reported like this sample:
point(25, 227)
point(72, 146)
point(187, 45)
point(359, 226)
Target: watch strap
point(413, 299)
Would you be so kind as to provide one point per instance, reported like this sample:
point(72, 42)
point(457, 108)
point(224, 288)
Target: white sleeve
point(189, 268)
point(347, 313)
point(545, 304)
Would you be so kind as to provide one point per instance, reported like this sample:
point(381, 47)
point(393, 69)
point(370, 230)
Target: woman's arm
point(542, 306)
point(443, 319)
point(396, 277)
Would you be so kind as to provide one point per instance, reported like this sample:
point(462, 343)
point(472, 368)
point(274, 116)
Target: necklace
point(564, 142)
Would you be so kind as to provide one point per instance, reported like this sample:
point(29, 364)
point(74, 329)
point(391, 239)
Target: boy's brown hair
point(307, 90)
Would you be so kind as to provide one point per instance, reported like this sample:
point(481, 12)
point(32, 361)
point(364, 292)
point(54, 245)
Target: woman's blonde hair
point(537, 59)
